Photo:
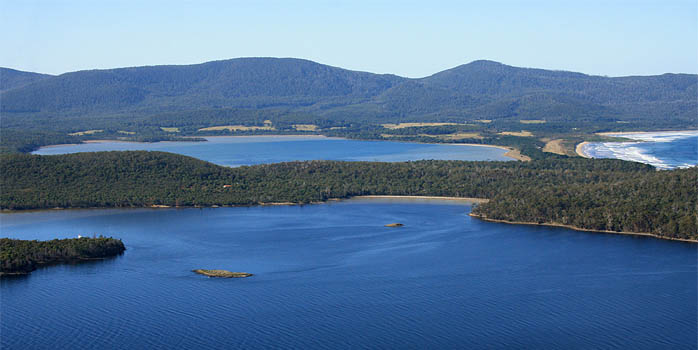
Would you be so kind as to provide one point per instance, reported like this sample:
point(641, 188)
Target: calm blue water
point(236, 151)
point(664, 150)
point(331, 276)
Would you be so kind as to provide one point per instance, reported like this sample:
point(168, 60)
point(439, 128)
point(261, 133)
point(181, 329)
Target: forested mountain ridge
point(599, 194)
point(486, 99)
point(12, 78)
point(243, 82)
point(480, 87)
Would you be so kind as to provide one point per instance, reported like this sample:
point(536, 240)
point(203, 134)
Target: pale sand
point(411, 125)
point(464, 199)
point(639, 132)
point(263, 136)
point(511, 152)
point(642, 234)
point(522, 133)
point(580, 150)
point(555, 146)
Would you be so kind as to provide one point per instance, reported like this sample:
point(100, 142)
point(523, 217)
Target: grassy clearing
point(484, 121)
point(169, 129)
point(412, 125)
point(237, 128)
point(460, 135)
point(126, 132)
point(522, 133)
point(532, 121)
point(555, 146)
point(86, 132)
point(305, 127)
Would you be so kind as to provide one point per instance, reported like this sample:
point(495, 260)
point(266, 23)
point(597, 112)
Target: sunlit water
point(332, 276)
point(236, 151)
point(664, 150)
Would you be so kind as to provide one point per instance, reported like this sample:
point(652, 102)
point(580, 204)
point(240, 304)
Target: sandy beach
point(580, 150)
point(511, 152)
point(640, 234)
point(311, 136)
point(644, 132)
point(463, 199)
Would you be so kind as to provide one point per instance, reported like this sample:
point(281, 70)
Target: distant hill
point(12, 78)
point(244, 82)
point(298, 90)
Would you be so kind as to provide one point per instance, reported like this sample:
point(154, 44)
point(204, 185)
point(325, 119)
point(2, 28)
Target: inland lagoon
point(249, 150)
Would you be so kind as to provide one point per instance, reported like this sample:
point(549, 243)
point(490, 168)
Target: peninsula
point(590, 194)
point(21, 257)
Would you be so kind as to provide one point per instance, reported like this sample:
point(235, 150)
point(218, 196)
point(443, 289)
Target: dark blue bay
point(332, 276)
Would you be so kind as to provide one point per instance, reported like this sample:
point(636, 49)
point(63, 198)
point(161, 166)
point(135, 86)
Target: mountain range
point(474, 91)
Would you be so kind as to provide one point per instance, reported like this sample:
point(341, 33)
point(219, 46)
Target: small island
point(397, 224)
point(222, 273)
point(21, 257)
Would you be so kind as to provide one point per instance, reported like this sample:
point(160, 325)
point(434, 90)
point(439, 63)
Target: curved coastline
point(407, 197)
point(580, 150)
point(510, 152)
point(553, 224)
point(616, 133)
point(640, 146)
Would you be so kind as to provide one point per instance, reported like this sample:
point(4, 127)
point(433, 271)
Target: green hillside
point(140, 101)
point(600, 194)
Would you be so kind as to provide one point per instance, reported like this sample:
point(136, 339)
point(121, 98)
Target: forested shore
point(592, 194)
point(18, 257)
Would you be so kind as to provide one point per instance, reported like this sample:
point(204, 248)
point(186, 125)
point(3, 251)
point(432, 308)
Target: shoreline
point(462, 199)
point(313, 136)
point(579, 149)
point(644, 132)
point(552, 224)
point(310, 136)
point(260, 204)
point(408, 197)
point(511, 152)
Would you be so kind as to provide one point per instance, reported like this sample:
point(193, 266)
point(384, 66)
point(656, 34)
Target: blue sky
point(408, 38)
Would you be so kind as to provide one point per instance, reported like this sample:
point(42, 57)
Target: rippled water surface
point(249, 150)
point(664, 150)
point(332, 276)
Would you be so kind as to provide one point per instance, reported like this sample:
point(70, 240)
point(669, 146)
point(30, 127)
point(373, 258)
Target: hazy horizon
point(409, 39)
point(299, 58)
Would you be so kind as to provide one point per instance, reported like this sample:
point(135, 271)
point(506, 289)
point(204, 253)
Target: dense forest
point(148, 103)
point(22, 256)
point(601, 194)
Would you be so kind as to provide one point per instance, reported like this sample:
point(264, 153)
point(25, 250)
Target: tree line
point(24, 256)
point(598, 194)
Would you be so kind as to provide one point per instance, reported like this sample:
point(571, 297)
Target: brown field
point(86, 132)
point(169, 129)
point(532, 121)
point(237, 128)
point(456, 136)
point(522, 133)
point(305, 127)
point(460, 135)
point(412, 125)
point(556, 146)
